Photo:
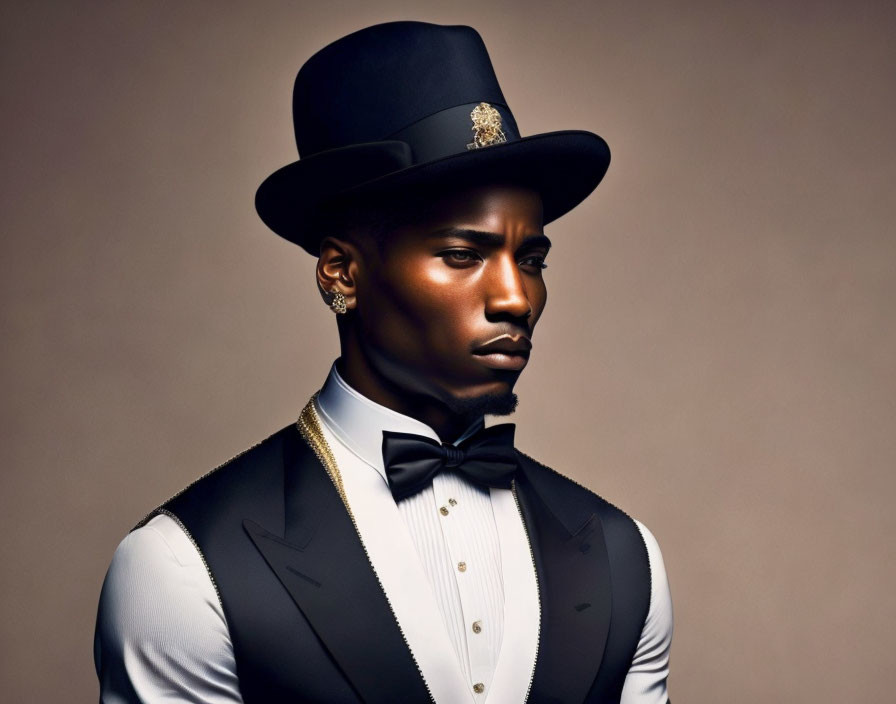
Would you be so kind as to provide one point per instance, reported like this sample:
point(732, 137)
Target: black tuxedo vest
point(309, 620)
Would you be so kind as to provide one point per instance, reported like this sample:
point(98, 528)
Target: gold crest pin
point(486, 126)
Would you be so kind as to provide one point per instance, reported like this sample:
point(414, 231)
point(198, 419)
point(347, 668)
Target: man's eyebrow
point(491, 239)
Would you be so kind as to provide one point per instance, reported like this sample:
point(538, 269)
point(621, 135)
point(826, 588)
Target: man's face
point(447, 308)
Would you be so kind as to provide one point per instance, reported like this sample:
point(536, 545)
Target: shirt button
point(477, 626)
point(461, 566)
point(444, 510)
point(479, 688)
point(453, 502)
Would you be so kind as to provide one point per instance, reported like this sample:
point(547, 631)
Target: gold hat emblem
point(486, 126)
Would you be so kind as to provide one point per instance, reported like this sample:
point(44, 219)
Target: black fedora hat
point(404, 104)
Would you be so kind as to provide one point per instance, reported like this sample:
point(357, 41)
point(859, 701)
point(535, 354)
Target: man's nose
point(506, 290)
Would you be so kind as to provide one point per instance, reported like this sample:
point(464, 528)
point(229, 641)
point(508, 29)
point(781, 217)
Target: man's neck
point(427, 410)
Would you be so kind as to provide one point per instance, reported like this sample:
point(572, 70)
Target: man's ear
point(337, 270)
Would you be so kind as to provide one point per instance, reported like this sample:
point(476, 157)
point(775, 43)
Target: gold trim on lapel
point(309, 426)
point(323, 564)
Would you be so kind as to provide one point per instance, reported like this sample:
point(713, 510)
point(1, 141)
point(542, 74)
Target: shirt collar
point(359, 422)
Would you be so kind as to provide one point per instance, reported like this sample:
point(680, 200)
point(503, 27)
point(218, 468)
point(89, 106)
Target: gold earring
point(337, 302)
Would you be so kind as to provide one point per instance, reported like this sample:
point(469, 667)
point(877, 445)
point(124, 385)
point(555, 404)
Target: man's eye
point(459, 255)
point(535, 260)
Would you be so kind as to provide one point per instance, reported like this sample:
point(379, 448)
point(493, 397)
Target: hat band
point(457, 130)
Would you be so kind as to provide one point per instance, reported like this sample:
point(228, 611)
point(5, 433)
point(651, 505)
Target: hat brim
point(563, 166)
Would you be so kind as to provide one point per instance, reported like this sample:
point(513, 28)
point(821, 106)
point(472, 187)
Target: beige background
point(718, 356)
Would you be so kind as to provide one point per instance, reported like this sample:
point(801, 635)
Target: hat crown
point(371, 84)
point(401, 105)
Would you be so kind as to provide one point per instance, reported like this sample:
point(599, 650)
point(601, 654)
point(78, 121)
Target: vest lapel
point(574, 584)
point(322, 564)
point(519, 645)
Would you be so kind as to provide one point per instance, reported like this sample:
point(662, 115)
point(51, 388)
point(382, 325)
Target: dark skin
point(467, 273)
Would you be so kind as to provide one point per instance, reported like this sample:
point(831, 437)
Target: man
point(388, 546)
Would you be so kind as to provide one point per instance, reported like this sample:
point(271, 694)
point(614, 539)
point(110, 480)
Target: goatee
point(498, 404)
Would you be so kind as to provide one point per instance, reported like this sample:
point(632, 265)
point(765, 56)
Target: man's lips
point(505, 352)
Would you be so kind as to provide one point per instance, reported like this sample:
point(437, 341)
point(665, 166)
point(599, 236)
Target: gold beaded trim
point(309, 426)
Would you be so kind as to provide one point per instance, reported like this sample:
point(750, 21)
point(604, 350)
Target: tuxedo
point(310, 617)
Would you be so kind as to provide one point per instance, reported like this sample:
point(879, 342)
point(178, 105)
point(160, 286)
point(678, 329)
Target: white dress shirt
point(453, 560)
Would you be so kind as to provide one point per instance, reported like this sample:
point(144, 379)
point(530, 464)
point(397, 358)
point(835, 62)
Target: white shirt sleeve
point(649, 671)
point(160, 633)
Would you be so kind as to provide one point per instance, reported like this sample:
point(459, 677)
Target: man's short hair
point(370, 219)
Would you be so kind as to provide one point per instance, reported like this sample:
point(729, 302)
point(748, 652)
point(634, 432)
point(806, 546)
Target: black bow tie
point(487, 457)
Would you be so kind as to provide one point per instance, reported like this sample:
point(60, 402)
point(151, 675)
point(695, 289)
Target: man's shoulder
point(256, 464)
point(577, 500)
